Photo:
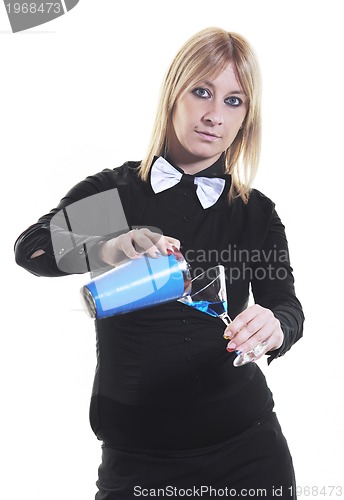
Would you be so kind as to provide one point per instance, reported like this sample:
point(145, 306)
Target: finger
point(159, 243)
point(173, 241)
point(142, 242)
point(146, 246)
point(134, 243)
point(147, 239)
point(153, 252)
point(247, 345)
point(242, 320)
point(129, 251)
point(164, 246)
point(125, 244)
point(167, 244)
point(248, 330)
point(154, 236)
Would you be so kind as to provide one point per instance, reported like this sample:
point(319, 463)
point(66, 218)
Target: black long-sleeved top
point(164, 378)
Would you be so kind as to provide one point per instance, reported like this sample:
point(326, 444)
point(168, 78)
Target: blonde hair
point(205, 55)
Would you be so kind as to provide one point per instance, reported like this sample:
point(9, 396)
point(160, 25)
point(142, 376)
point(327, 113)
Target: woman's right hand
point(134, 244)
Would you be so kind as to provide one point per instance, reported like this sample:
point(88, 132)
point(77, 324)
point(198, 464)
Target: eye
point(201, 92)
point(233, 101)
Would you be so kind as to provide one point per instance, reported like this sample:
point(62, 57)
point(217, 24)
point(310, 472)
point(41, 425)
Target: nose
point(213, 115)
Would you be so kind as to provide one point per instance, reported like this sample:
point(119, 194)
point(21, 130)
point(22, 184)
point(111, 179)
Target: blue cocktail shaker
point(137, 284)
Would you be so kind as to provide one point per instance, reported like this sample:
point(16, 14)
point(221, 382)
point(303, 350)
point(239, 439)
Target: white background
point(79, 95)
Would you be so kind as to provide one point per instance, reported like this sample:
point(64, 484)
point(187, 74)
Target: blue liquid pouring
point(212, 308)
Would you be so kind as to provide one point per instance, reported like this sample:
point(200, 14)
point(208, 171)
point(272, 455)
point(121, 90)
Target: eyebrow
point(210, 84)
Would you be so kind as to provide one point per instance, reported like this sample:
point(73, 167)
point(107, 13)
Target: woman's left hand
point(252, 327)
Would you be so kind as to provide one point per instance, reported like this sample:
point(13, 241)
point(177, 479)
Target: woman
point(169, 406)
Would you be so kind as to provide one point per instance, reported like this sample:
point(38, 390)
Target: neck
point(191, 165)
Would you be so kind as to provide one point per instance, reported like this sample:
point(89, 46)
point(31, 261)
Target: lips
point(208, 136)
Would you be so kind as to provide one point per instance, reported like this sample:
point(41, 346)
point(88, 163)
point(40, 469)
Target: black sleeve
point(273, 284)
point(70, 234)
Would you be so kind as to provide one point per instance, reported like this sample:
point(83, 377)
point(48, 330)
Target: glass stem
point(225, 318)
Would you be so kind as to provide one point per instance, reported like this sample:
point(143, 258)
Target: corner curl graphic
point(24, 15)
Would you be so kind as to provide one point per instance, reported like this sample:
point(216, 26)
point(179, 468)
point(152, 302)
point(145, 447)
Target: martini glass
point(208, 294)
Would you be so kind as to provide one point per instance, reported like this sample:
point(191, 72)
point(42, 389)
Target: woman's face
point(206, 120)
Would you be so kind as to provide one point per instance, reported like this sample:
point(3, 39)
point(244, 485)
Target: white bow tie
point(164, 176)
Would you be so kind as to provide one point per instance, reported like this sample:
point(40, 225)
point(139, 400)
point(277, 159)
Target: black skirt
point(256, 464)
